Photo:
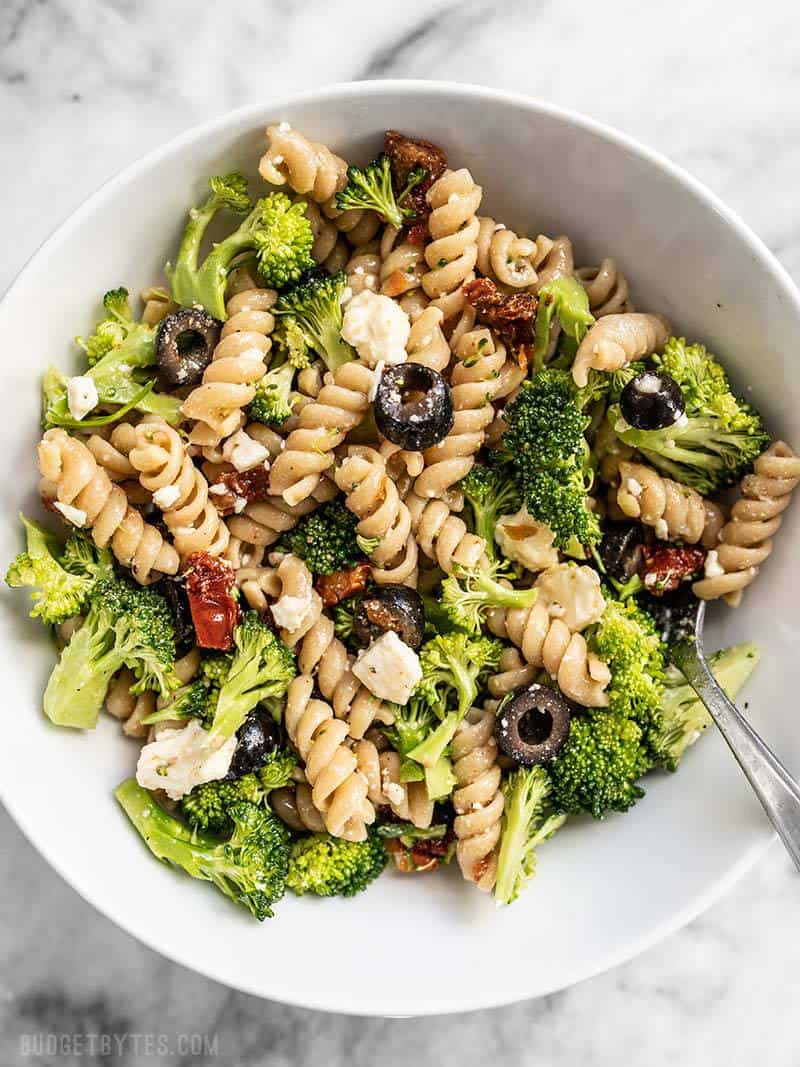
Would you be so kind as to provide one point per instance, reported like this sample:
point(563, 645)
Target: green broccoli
point(277, 770)
point(331, 867)
point(284, 241)
point(683, 714)
point(490, 493)
point(598, 767)
point(370, 189)
point(607, 386)
point(326, 540)
point(315, 310)
point(274, 402)
point(343, 620)
point(626, 639)
point(215, 667)
point(566, 299)
point(413, 723)
point(291, 344)
point(720, 436)
point(196, 700)
point(527, 821)
point(60, 578)
point(452, 667)
point(119, 354)
point(250, 867)
point(546, 444)
point(467, 594)
point(206, 807)
point(262, 667)
point(125, 626)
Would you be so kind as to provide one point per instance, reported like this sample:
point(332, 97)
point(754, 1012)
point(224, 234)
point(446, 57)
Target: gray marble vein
point(86, 86)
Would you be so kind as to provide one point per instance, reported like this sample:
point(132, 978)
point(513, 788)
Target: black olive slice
point(258, 735)
point(620, 550)
point(389, 607)
point(651, 401)
point(413, 407)
point(185, 343)
point(534, 725)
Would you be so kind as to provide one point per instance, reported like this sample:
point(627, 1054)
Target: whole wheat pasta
point(307, 167)
point(510, 260)
point(477, 799)
point(619, 339)
point(402, 264)
point(453, 251)
point(607, 289)
point(676, 512)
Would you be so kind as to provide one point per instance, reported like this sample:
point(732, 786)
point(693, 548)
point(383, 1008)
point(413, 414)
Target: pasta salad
point(374, 514)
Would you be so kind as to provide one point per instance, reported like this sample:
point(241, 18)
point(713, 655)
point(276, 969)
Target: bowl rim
point(323, 95)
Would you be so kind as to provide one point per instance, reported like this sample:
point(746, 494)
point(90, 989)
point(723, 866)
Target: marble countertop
point(86, 86)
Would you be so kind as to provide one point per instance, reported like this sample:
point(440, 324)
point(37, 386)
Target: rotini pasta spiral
point(452, 253)
point(618, 339)
point(477, 799)
point(402, 264)
point(426, 343)
point(480, 373)
point(673, 510)
point(508, 259)
point(372, 495)
point(322, 426)
point(307, 167)
point(130, 708)
point(363, 268)
point(441, 535)
point(72, 476)
point(294, 806)
point(607, 289)
point(745, 540)
point(513, 673)
point(238, 363)
point(338, 789)
point(165, 468)
point(409, 801)
point(559, 262)
point(262, 522)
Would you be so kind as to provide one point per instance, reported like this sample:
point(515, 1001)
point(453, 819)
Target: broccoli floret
point(597, 769)
point(250, 867)
point(60, 582)
point(277, 769)
point(330, 867)
point(546, 444)
point(721, 435)
point(413, 723)
point(215, 667)
point(195, 283)
point(683, 714)
point(626, 639)
point(206, 807)
point(118, 365)
point(566, 299)
point(527, 822)
point(452, 667)
point(370, 189)
point(273, 402)
point(608, 385)
point(467, 594)
point(325, 540)
point(490, 493)
point(291, 343)
point(125, 626)
point(262, 667)
point(284, 241)
point(197, 700)
point(315, 308)
point(343, 619)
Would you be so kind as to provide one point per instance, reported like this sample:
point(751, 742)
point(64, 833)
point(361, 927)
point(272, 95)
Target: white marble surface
point(85, 87)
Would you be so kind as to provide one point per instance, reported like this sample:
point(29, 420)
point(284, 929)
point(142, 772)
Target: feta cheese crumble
point(525, 540)
point(81, 396)
point(166, 497)
point(388, 668)
point(244, 452)
point(71, 514)
point(181, 759)
point(713, 568)
point(377, 327)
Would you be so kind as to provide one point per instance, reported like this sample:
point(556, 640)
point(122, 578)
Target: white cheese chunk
point(244, 452)
point(71, 514)
point(377, 327)
point(389, 668)
point(181, 759)
point(291, 612)
point(376, 380)
point(81, 396)
point(166, 497)
point(713, 568)
point(661, 529)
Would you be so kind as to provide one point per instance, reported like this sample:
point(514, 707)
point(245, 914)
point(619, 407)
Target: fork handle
point(778, 792)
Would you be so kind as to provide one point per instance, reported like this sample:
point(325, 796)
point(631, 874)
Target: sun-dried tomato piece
point(215, 612)
point(234, 489)
point(405, 153)
point(511, 315)
point(665, 566)
point(342, 584)
point(413, 860)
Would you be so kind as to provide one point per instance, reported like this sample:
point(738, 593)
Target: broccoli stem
point(77, 686)
point(430, 751)
point(439, 779)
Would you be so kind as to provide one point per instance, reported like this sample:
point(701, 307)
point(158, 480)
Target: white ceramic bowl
point(604, 891)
